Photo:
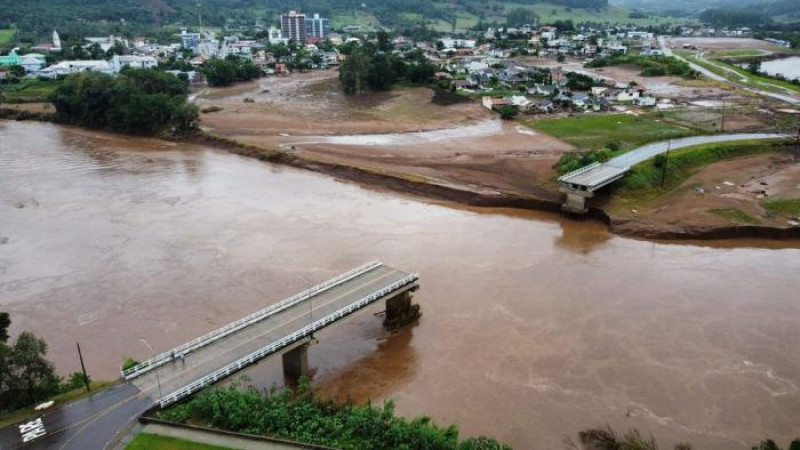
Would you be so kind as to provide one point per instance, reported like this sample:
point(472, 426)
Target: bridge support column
point(400, 311)
point(295, 363)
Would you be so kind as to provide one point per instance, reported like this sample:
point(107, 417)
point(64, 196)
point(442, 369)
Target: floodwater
point(533, 327)
point(788, 67)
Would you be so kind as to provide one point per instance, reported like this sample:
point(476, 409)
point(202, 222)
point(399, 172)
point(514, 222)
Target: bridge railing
point(285, 341)
point(244, 322)
point(579, 171)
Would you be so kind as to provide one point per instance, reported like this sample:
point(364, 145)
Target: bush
point(75, 381)
point(128, 363)
point(507, 112)
point(302, 417)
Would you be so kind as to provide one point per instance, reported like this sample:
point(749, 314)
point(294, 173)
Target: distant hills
point(37, 18)
point(724, 12)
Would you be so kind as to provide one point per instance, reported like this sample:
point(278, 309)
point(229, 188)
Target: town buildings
point(293, 26)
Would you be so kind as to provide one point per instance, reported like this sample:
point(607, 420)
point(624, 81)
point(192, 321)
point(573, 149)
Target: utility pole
point(158, 377)
point(722, 117)
point(666, 160)
point(83, 368)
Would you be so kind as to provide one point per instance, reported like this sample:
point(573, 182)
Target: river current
point(533, 326)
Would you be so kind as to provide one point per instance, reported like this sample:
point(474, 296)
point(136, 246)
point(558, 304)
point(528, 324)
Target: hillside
point(35, 19)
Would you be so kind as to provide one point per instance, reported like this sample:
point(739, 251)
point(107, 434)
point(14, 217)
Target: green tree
point(33, 375)
point(353, 73)
point(5, 322)
point(220, 72)
point(16, 71)
point(507, 112)
point(754, 67)
point(521, 16)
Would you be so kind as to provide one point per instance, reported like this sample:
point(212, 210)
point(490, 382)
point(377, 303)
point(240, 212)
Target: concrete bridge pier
point(400, 311)
point(295, 362)
point(576, 200)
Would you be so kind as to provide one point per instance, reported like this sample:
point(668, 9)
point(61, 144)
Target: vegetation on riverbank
point(28, 90)
point(644, 180)
point(145, 441)
point(620, 131)
point(304, 418)
point(137, 101)
point(787, 207)
point(27, 377)
point(652, 66)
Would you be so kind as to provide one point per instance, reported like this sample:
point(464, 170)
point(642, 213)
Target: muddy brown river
point(534, 327)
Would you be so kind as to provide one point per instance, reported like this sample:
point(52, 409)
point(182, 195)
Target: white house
point(627, 96)
point(68, 67)
point(137, 62)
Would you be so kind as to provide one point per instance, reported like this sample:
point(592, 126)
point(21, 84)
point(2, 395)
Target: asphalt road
point(87, 424)
point(648, 151)
point(785, 98)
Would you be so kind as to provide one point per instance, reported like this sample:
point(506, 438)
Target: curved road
point(668, 52)
point(648, 151)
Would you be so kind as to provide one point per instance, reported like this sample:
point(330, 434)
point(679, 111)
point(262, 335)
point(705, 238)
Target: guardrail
point(579, 171)
point(244, 322)
point(284, 341)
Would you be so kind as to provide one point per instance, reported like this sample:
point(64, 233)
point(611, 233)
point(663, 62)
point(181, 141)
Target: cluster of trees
point(580, 82)
point(137, 101)
point(304, 418)
point(223, 72)
point(653, 66)
point(26, 376)
point(521, 16)
point(734, 17)
point(376, 67)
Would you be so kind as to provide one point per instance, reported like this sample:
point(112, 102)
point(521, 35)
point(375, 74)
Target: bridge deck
point(199, 363)
point(596, 177)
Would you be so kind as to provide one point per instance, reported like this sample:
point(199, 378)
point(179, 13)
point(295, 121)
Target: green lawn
point(144, 441)
point(6, 35)
point(596, 131)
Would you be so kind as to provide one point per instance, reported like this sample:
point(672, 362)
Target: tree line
point(137, 101)
point(26, 376)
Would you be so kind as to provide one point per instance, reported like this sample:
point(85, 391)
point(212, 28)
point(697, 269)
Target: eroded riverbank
point(534, 326)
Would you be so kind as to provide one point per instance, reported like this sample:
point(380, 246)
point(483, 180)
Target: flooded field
point(533, 327)
point(786, 67)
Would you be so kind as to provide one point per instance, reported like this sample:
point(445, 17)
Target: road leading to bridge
point(273, 328)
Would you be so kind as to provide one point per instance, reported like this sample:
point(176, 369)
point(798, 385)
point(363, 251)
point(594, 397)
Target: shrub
point(507, 112)
point(128, 363)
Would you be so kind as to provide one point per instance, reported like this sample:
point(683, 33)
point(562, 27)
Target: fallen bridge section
point(285, 329)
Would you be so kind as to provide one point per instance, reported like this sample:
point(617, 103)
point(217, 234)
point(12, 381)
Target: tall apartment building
point(293, 26)
point(319, 27)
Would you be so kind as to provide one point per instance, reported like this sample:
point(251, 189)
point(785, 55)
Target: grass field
point(549, 13)
point(144, 441)
point(596, 131)
point(6, 35)
point(789, 207)
point(29, 91)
